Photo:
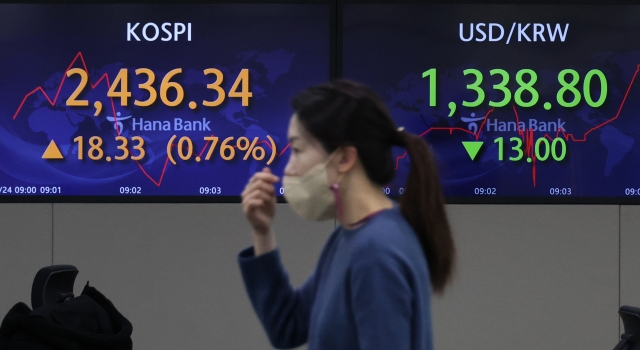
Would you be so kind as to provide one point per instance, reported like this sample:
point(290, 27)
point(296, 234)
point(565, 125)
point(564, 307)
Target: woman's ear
point(347, 158)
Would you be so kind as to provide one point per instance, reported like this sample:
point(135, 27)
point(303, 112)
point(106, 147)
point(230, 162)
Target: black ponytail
point(346, 113)
point(422, 204)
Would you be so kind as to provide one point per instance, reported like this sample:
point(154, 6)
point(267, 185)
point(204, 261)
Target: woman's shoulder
point(387, 234)
point(389, 224)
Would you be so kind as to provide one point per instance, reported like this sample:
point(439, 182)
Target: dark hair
point(346, 113)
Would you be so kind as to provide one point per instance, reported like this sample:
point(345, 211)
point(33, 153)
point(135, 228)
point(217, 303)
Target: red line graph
point(527, 134)
point(105, 77)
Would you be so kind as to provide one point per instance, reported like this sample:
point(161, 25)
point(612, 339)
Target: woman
point(371, 288)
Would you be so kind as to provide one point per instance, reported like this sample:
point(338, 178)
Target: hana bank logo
point(117, 125)
point(473, 126)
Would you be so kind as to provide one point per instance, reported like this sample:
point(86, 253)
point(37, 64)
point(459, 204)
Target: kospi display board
point(163, 102)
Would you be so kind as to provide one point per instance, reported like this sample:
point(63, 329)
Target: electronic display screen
point(128, 102)
point(521, 103)
point(157, 101)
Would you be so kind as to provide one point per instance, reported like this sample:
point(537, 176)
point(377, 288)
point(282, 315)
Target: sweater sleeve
point(283, 311)
point(382, 300)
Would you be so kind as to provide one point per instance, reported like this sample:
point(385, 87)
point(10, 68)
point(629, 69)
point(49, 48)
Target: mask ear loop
point(336, 195)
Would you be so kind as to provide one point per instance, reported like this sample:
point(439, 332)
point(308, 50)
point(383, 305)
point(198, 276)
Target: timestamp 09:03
point(560, 191)
point(211, 190)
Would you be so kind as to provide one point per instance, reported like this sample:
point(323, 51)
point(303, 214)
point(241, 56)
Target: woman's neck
point(361, 198)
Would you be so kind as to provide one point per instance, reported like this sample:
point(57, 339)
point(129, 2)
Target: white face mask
point(310, 195)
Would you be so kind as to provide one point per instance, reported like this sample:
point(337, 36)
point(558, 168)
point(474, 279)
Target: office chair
point(52, 285)
point(630, 339)
point(59, 320)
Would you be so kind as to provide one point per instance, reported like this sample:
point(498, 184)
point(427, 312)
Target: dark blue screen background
point(389, 47)
point(285, 47)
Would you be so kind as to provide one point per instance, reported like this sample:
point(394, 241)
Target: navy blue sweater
point(370, 290)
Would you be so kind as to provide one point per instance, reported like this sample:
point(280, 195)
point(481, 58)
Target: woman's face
point(306, 151)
